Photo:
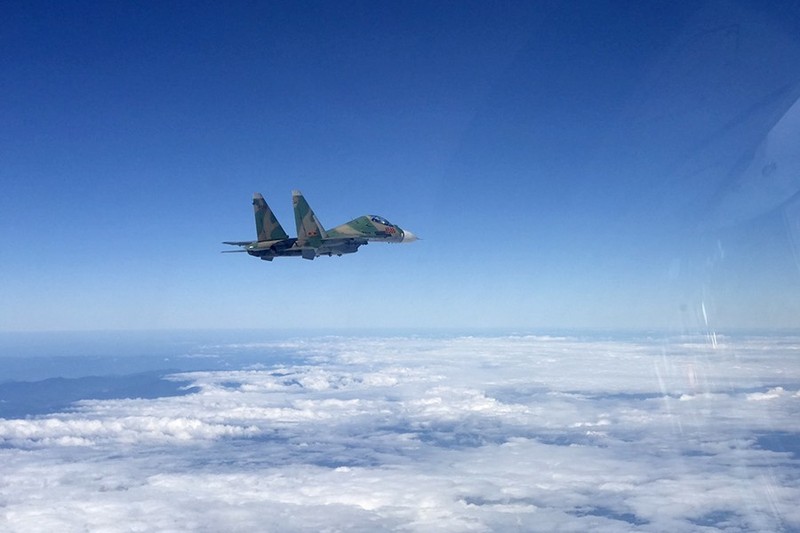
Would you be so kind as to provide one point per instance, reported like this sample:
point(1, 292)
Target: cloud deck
point(423, 434)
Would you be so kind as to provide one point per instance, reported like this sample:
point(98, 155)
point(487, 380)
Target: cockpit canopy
point(380, 220)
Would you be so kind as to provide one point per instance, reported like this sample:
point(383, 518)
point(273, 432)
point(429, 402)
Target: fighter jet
point(312, 239)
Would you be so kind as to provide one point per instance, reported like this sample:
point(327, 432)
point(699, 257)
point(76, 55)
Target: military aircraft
point(312, 239)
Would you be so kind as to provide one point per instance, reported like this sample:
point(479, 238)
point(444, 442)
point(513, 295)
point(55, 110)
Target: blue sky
point(581, 165)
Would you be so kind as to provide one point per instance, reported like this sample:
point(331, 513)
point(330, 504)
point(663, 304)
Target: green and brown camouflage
point(310, 232)
point(370, 227)
point(312, 240)
point(267, 226)
point(272, 241)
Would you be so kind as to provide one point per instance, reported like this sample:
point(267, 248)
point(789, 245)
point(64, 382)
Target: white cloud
point(446, 434)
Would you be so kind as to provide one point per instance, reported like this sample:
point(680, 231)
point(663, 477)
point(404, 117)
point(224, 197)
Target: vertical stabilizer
point(267, 226)
point(309, 231)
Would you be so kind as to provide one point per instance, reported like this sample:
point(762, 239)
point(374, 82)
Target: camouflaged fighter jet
point(312, 239)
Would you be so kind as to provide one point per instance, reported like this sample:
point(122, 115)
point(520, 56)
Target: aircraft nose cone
point(408, 236)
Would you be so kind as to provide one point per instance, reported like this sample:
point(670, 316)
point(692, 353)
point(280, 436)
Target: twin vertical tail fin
point(309, 231)
point(267, 226)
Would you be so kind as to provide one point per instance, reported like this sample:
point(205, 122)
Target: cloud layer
point(423, 434)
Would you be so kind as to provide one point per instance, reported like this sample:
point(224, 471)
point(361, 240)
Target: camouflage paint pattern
point(369, 227)
point(267, 226)
point(312, 239)
point(309, 231)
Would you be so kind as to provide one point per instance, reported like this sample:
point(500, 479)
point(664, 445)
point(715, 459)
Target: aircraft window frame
point(380, 220)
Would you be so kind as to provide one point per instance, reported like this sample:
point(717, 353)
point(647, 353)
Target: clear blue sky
point(566, 165)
